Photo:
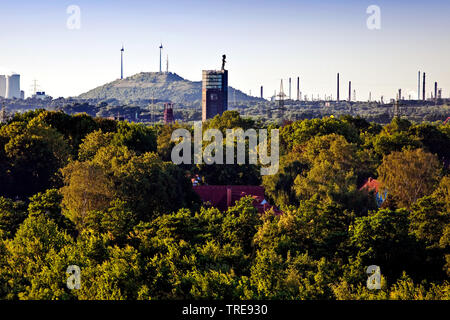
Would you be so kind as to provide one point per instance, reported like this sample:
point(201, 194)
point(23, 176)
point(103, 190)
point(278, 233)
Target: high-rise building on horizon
point(214, 92)
point(2, 86)
point(13, 86)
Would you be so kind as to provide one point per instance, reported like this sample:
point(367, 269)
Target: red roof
point(223, 197)
point(371, 184)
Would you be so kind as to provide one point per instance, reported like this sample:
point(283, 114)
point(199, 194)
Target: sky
point(264, 40)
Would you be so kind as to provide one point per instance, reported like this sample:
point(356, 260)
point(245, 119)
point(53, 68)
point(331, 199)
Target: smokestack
point(418, 87)
point(262, 97)
point(349, 91)
point(435, 90)
point(338, 87)
point(423, 87)
point(289, 88)
point(298, 88)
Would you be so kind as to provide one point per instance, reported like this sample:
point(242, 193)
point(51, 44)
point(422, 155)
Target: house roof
point(371, 184)
point(223, 197)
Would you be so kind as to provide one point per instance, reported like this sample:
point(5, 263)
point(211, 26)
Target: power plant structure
point(2, 86)
point(10, 87)
point(168, 113)
point(214, 92)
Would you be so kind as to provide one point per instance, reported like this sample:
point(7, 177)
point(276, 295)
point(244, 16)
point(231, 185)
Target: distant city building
point(168, 113)
point(13, 86)
point(22, 94)
point(214, 92)
point(40, 95)
point(2, 86)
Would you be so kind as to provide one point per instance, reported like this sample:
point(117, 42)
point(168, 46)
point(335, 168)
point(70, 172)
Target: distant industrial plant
point(10, 87)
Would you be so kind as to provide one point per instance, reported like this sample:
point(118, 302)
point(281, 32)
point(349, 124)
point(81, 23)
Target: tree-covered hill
point(160, 86)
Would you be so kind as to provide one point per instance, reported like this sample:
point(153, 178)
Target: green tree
point(12, 214)
point(382, 238)
point(333, 162)
point(409, 175)
point(34, 153)
point(136, 137)
point(87, 188)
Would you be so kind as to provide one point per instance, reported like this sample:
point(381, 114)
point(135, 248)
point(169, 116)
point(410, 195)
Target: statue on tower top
point(223, 61)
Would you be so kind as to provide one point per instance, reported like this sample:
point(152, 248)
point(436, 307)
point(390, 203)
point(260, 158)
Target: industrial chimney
point(290, 89)
point(338, 87)
point(418, 87)
point(435, 90)
point(349, 91)
point(423, 86)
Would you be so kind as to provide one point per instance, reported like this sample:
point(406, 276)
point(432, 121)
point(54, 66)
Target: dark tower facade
point(214, 92)
point(168, 113)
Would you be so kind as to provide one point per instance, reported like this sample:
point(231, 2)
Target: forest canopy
point(104, 195)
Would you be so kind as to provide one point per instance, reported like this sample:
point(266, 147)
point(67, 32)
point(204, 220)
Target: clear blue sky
point(264, 42)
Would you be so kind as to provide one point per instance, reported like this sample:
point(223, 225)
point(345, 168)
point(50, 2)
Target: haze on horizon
point(264, 41)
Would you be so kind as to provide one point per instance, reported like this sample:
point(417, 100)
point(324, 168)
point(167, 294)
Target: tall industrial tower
point(121, 62)
point(214, 91)
point(281, 96)
point(338, 87)
point(160, 52)
point(418, 87)
point(423, 86)
point(290, 97)
point(349, 91)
